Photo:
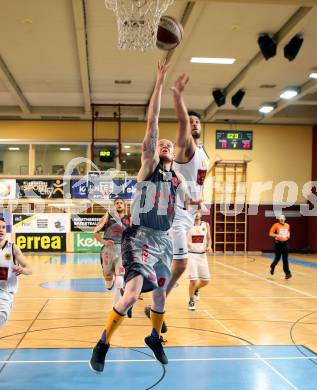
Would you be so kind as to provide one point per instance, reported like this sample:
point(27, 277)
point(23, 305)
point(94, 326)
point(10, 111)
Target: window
point(53, 159)
point(131, 158)
point(14, 159)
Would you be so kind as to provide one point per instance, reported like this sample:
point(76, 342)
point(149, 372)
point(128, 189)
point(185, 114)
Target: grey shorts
point(111, 259)
point(147, 252)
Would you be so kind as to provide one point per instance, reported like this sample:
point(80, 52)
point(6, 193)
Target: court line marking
point(255, 353)
point(170, 360)
point(266, 280)
point(175, 298)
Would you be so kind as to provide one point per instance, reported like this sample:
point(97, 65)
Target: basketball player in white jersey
point(12, 264)
point(191, 161)
point(199, 242)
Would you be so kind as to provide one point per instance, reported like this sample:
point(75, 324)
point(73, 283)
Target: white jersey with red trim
point(197, 238)
point(8, 280)
point(194, 172)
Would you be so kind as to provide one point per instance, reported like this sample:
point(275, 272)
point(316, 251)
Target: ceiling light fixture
point(313, 75)
point(64, 149)
point(11, 148)
point(267, 108)
point(290, 93)
point(212, 60)
point(127, 146)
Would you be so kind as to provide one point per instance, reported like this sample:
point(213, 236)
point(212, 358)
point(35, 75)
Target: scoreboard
point(234, 139)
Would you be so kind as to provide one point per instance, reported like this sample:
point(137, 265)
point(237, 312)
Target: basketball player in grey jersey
point(191, 161)
point(146, 245)
point(112, 224)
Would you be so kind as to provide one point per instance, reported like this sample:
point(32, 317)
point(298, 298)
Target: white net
point(137, 21)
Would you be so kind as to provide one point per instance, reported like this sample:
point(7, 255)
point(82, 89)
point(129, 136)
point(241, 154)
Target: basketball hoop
point(137, 21)
point(106, 190)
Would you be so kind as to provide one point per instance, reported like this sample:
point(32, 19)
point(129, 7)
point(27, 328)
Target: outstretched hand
point(180, 84)
point(162, 68)
point(17, 270)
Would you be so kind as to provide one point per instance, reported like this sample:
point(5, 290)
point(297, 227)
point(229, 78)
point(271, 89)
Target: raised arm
point(185, 145)
point(150, 157)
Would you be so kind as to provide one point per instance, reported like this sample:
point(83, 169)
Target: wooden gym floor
point(63, 306)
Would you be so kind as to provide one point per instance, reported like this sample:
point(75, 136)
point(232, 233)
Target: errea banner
point(86, 242)
point(41, 242)
point(41, 223)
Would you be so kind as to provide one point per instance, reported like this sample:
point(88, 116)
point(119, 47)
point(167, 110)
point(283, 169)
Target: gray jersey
point(113, 229)
point(154, 201)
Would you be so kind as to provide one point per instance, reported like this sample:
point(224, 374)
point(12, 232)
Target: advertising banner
point(41, 223)
point(104, 183)
point(86, 242)
point(128, 191)
point(8, 220)
point(41, 242)
point(99, 187)
point(45, 189)
point(7, 188)
point(79, 189)
point(84, 222)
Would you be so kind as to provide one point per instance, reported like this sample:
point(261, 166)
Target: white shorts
point(183, 222)
point(6, 303)
point(198, 266)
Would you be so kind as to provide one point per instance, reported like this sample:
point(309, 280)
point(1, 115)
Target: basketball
point(169, 33)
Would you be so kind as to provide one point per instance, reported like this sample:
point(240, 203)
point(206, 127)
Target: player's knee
point(119, 281)
point(129, 300)
point(3, 317)
point(204, 283)
point(179, 268)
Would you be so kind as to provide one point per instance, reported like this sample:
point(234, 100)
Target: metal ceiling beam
point(79, 14)
point(289, 29)
point(13, 87)
point(307, 88)
point(304, 103)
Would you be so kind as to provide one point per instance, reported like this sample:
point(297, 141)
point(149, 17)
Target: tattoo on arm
point(153, 138)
